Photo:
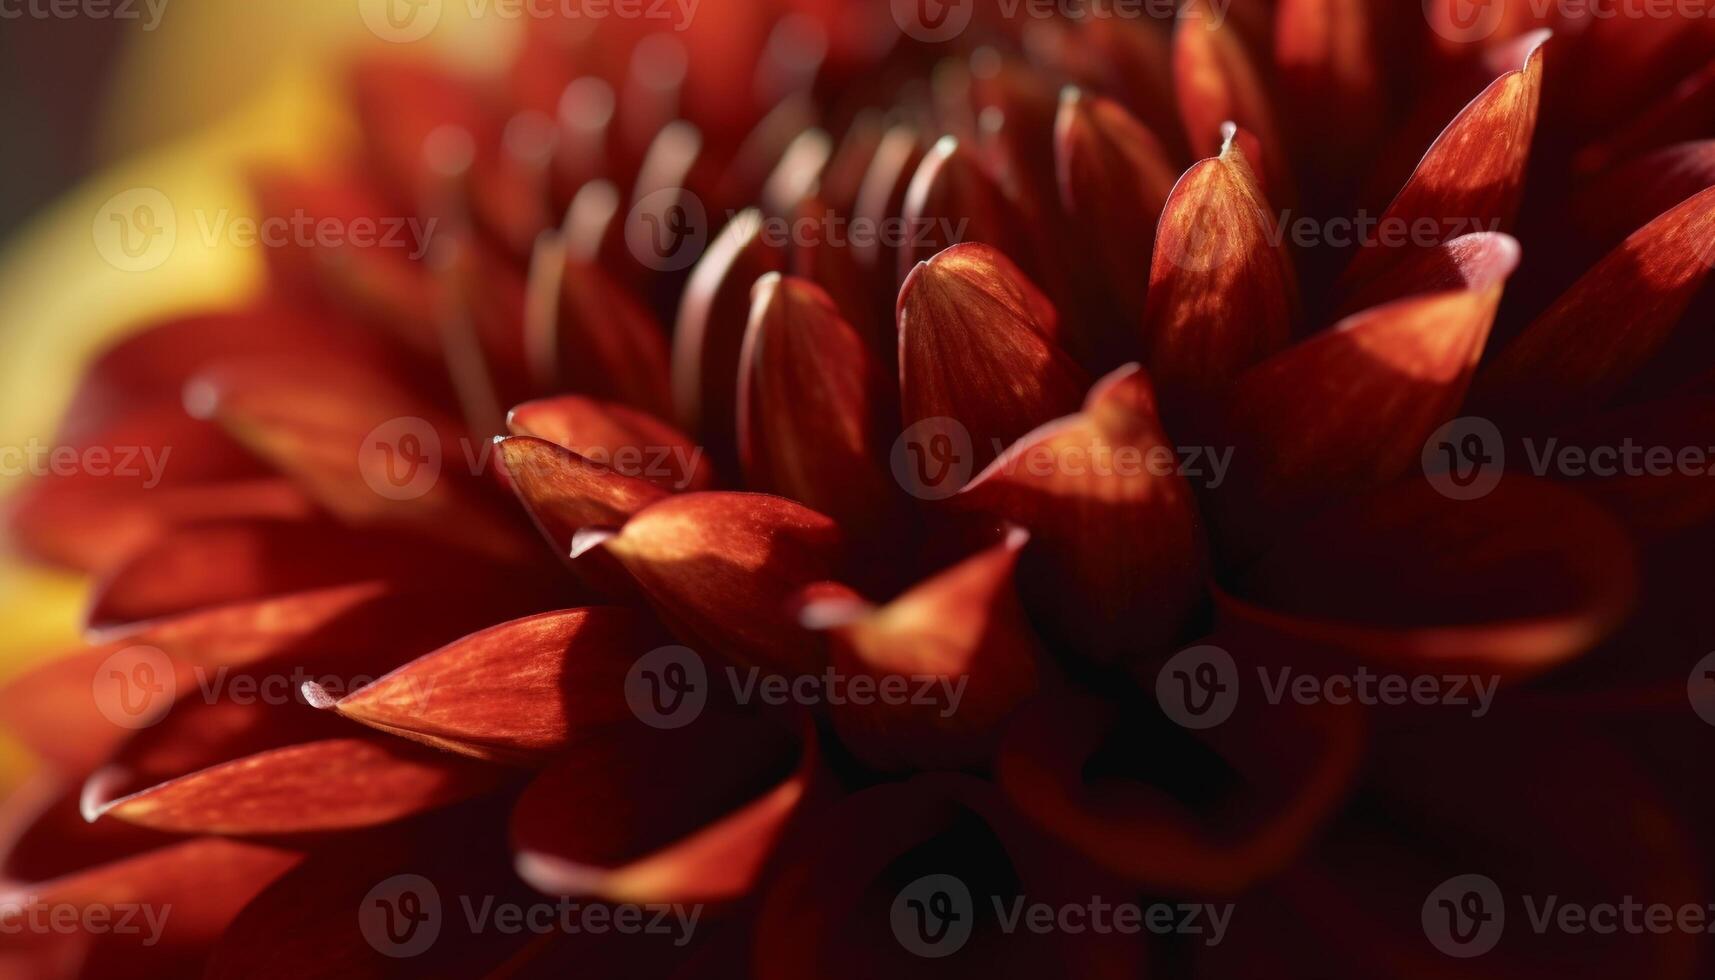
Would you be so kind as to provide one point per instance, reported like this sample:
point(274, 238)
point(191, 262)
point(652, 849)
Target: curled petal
point(808, 404)
point(519, 691)
point(1445, 597)
point(979, 344)
point(1473, 175)
point(1222, 294)
point(618, 437)
point(724, 569)
point(1594, 339)
point(1116, 545)
point(644, 814)
point(1109, 787)
point(960, 635)
point(1349, 409)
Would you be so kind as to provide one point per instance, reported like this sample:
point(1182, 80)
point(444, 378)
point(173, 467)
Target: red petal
point(1631, 195)
point(1444, 597)
point(953, 199)
point(1349, 409)
point(712, 320)
point(650, 815)
point(367, 450)
point(808, 405)
point(566, 493)
point(831, 912)
point(1117, 552)
point(1106, 785)
point(623, 439)
point(1218, 83)
point(328, 784)
point(514, 692)
point(213, 564)
point(1114, 178)
point(607, 344)
point(1473, 175)
point(1222, 294)
point(51, 711)
point(173, 902)
point(1576, 356)
point(882, 197)
point(725, 569)
point(960, 635)
point(979, 344)
point(1329, 62)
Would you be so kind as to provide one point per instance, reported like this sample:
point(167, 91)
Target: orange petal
point(566, 493)
point(1329, 63)
point(1472, 177)
point(808, 405)
point(651, 815)
point(1145, 802)
point(979, 344)
point(959, 653)
point(1349, 409)
point(514, 692)
point(620, 438)
point(1576, 356)
point(1444, 597)
point(724, 569)
point(361, 446)
point(710, 334)
point(1222, 294)
point(328, 784)
point(1117, 551)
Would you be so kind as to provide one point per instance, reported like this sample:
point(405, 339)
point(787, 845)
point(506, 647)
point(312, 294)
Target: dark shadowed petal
point(959, 648)
point(1116, 554)
point(809, 405)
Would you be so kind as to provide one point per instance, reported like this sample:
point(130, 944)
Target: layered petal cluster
point(817, 446)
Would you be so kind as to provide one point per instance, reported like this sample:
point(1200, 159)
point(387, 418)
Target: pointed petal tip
point(318, 697)
point(587, 539)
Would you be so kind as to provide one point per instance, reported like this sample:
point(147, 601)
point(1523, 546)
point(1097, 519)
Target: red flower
point(1013, 524)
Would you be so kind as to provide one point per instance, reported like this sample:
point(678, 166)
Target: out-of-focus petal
point(1217, 82)
point(607, 344)
point(645, 814)
point(1445, 597)
point(809, 405)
